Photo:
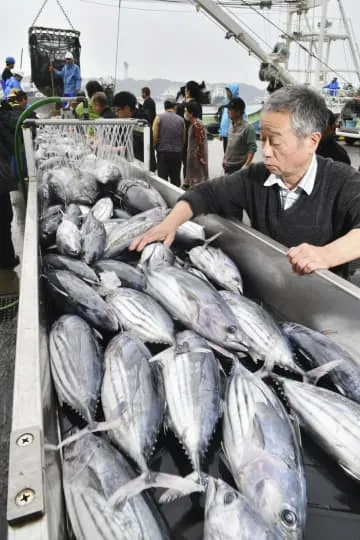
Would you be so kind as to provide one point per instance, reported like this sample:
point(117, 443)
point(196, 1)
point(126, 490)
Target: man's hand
point(159, 233)
point(51, 68)
point(306, 258)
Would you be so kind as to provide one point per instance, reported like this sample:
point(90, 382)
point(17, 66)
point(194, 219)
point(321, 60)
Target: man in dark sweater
point(308, 203)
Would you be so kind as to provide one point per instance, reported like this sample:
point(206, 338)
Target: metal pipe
point(147, 142)
point(320, 77)
point(351, 43)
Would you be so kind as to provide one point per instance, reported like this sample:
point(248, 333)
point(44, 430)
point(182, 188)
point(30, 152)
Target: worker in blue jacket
point(70, 74)
point(232, 91)
point(14, 83)
point(333, 86)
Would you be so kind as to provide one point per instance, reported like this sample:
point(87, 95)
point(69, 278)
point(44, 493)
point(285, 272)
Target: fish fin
point(212, 239)
point(258, 431)
point(151, 479)
point(173, 494)
point(164, 356)
point(224, 457)
point(349, 472)
point(296, 424)
point(63, 293)
point(328, 332)
point(314, 375)
point(223, 352)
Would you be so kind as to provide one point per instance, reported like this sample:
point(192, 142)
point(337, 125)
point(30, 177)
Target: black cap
point(237, 104)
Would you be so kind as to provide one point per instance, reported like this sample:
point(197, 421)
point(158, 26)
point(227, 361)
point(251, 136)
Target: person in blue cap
point(7, 73)
point(70, 74)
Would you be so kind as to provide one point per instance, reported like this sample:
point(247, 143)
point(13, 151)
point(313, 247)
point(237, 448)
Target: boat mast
point(351, 42)
point(320, 66)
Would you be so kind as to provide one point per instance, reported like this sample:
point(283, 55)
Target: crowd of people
point(297, 196)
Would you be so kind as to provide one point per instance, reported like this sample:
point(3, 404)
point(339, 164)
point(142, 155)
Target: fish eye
point(230, 497)
point(288, 517)
point(231, 329)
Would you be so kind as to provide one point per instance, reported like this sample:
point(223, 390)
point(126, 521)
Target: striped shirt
point(290, 196)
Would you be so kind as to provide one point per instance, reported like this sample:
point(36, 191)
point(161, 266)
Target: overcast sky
point(157, 39)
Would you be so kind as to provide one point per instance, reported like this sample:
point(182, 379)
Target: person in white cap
point(14, 82)
point(70, 74)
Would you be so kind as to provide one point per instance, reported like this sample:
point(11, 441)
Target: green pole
point(24, 116)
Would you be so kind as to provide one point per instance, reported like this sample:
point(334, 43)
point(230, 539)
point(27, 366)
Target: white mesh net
point(100, 148)
point(67, 144)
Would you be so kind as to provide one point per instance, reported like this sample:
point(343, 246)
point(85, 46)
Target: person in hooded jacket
point(232, 91)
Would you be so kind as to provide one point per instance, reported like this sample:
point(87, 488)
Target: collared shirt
point(290, 196)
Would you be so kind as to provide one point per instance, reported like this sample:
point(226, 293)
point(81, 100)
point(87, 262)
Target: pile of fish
point(138, 342)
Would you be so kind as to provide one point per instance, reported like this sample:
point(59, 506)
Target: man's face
point(283, 152)
point(96, 108)
point(234, 115)
point(68, 60)
point(143, 95)
point(123, 112)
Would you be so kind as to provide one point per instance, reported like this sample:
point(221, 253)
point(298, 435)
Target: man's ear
point(315, 139)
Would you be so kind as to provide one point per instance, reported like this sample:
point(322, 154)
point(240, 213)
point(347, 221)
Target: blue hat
point(10, 60)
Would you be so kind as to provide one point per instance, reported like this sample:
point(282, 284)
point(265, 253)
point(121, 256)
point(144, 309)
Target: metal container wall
point(322, 301)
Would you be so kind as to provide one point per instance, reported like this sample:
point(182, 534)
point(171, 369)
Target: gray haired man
point(306, 202)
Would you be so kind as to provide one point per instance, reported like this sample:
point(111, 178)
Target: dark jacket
point(8, 121)
point(330, 148)
point(149, 107)
point(107, 113)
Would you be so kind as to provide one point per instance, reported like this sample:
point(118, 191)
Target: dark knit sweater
point(332, 209)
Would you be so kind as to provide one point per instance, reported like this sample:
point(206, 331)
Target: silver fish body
point(141, 315)
point(92, 471)
point(261, 333)
point(103, 209)
point(217, 266)
point(196, 304)
point(49, 223)
point(128, 275)
point(137, 196)
point(68, 238)
point(93, 239)
point(332, 420)
point(121, 236)
point(76, 365)
point(229, 515)
point(76, 266)
point(74, 214)
point(130, 381)
point(192, 389)
point(156, 254)
point(73, 186)
point(263, 452)
point(75, 297)
point(320, 350)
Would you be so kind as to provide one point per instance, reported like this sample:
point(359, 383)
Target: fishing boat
point(309, 43)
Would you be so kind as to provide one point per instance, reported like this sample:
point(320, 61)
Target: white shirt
point(290, 196)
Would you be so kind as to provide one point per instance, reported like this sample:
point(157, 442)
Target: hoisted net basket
point(49, 46)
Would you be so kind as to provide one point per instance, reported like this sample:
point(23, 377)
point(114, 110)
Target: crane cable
point(60, 6)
